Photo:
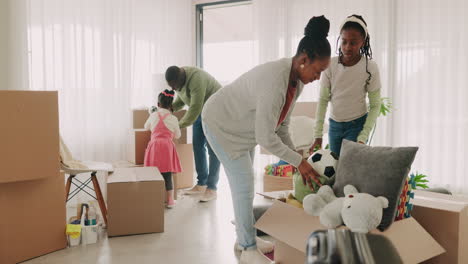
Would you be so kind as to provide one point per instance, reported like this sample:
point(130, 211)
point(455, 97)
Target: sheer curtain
point(430, 91)
point(419, 47)
point(101, 55)
point(279, 26)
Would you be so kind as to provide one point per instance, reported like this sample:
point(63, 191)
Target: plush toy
point(360, 212)
point(152, 109)
point(324, 163)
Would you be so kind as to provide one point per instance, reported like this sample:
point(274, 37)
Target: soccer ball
point(324, 163)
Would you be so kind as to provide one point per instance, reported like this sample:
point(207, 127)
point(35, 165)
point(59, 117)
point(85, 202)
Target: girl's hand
point(317, 143)
point(308, 174)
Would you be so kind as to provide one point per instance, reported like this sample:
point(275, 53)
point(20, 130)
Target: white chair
point(73, 168)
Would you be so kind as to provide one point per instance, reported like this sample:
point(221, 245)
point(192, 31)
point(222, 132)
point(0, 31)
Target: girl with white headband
point(351, 76)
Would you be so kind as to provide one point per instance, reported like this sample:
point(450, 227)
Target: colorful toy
point(281, 169)
point(301, 190)
point(404, 203)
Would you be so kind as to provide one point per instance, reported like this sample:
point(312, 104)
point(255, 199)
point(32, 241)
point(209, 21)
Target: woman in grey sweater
point(255, 109)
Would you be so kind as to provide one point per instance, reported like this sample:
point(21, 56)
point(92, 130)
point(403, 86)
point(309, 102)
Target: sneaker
point(197, 189)
point(254, 256)
point(263, 246)
point(170, 204)
point(209, 195)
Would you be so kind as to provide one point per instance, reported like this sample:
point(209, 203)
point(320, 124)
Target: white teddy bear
point(360, 212)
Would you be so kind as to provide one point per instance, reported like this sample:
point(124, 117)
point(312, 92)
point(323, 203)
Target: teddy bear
point(360, 212)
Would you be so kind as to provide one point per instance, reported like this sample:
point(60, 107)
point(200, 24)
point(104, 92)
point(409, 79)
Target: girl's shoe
point(170, 204)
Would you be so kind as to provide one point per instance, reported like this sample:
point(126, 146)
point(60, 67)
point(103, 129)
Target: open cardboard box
point(445, 217)
point(291, 227)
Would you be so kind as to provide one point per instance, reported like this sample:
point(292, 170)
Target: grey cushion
point(379, 171)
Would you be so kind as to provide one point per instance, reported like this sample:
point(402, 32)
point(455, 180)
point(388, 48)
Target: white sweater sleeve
point(172, 124)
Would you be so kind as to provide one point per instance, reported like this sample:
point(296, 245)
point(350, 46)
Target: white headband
point(355, 20)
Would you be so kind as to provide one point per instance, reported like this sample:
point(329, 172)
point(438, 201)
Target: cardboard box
point(137, 142)
point(30, 138)
point(445, 217)
point(135, 198)
point(33, 218)
point(32, 190)
point(141, 115)
point(185, 178)
point(183, 132)
point(276, 183)
point(291, 227)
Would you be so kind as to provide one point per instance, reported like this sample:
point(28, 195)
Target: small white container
point(74, 241)
point(89, 234)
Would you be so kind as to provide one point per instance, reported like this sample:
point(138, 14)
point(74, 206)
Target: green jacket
point(199, 86)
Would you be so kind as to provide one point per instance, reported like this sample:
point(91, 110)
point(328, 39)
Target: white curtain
point(420, 47)
point(430, 91)
point(101, 55)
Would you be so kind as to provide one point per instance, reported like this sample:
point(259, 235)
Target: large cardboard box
point(141, 115)
point(291, 227)
point(137, 142)
point(184, 179)
point(445, 217)
point(33, 218)
point(183, 132)
point(135, 198)
point(32, 191)
point(276, 183)
point(29, 140)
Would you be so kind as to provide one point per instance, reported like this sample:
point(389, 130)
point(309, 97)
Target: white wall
point(4, 39)
point(13, 46)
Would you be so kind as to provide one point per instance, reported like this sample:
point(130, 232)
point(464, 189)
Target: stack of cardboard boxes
point(139, 138)
point(32, 188)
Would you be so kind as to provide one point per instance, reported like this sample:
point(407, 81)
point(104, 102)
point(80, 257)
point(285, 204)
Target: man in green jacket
point(194, 86)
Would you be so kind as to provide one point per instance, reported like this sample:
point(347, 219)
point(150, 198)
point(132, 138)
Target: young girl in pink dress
point(161, 151)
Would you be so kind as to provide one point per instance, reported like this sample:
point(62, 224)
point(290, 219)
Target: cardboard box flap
point(440, 201)
point(275, 194)
point(412, 241)
point(136, 174)
point(293, 227)
point(289, 224)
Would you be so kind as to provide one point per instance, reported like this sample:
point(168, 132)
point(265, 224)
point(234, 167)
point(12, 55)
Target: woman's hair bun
point(317, 28)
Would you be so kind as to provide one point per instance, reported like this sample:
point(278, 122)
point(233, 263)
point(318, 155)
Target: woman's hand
point(317, 143)
point(308, 174)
